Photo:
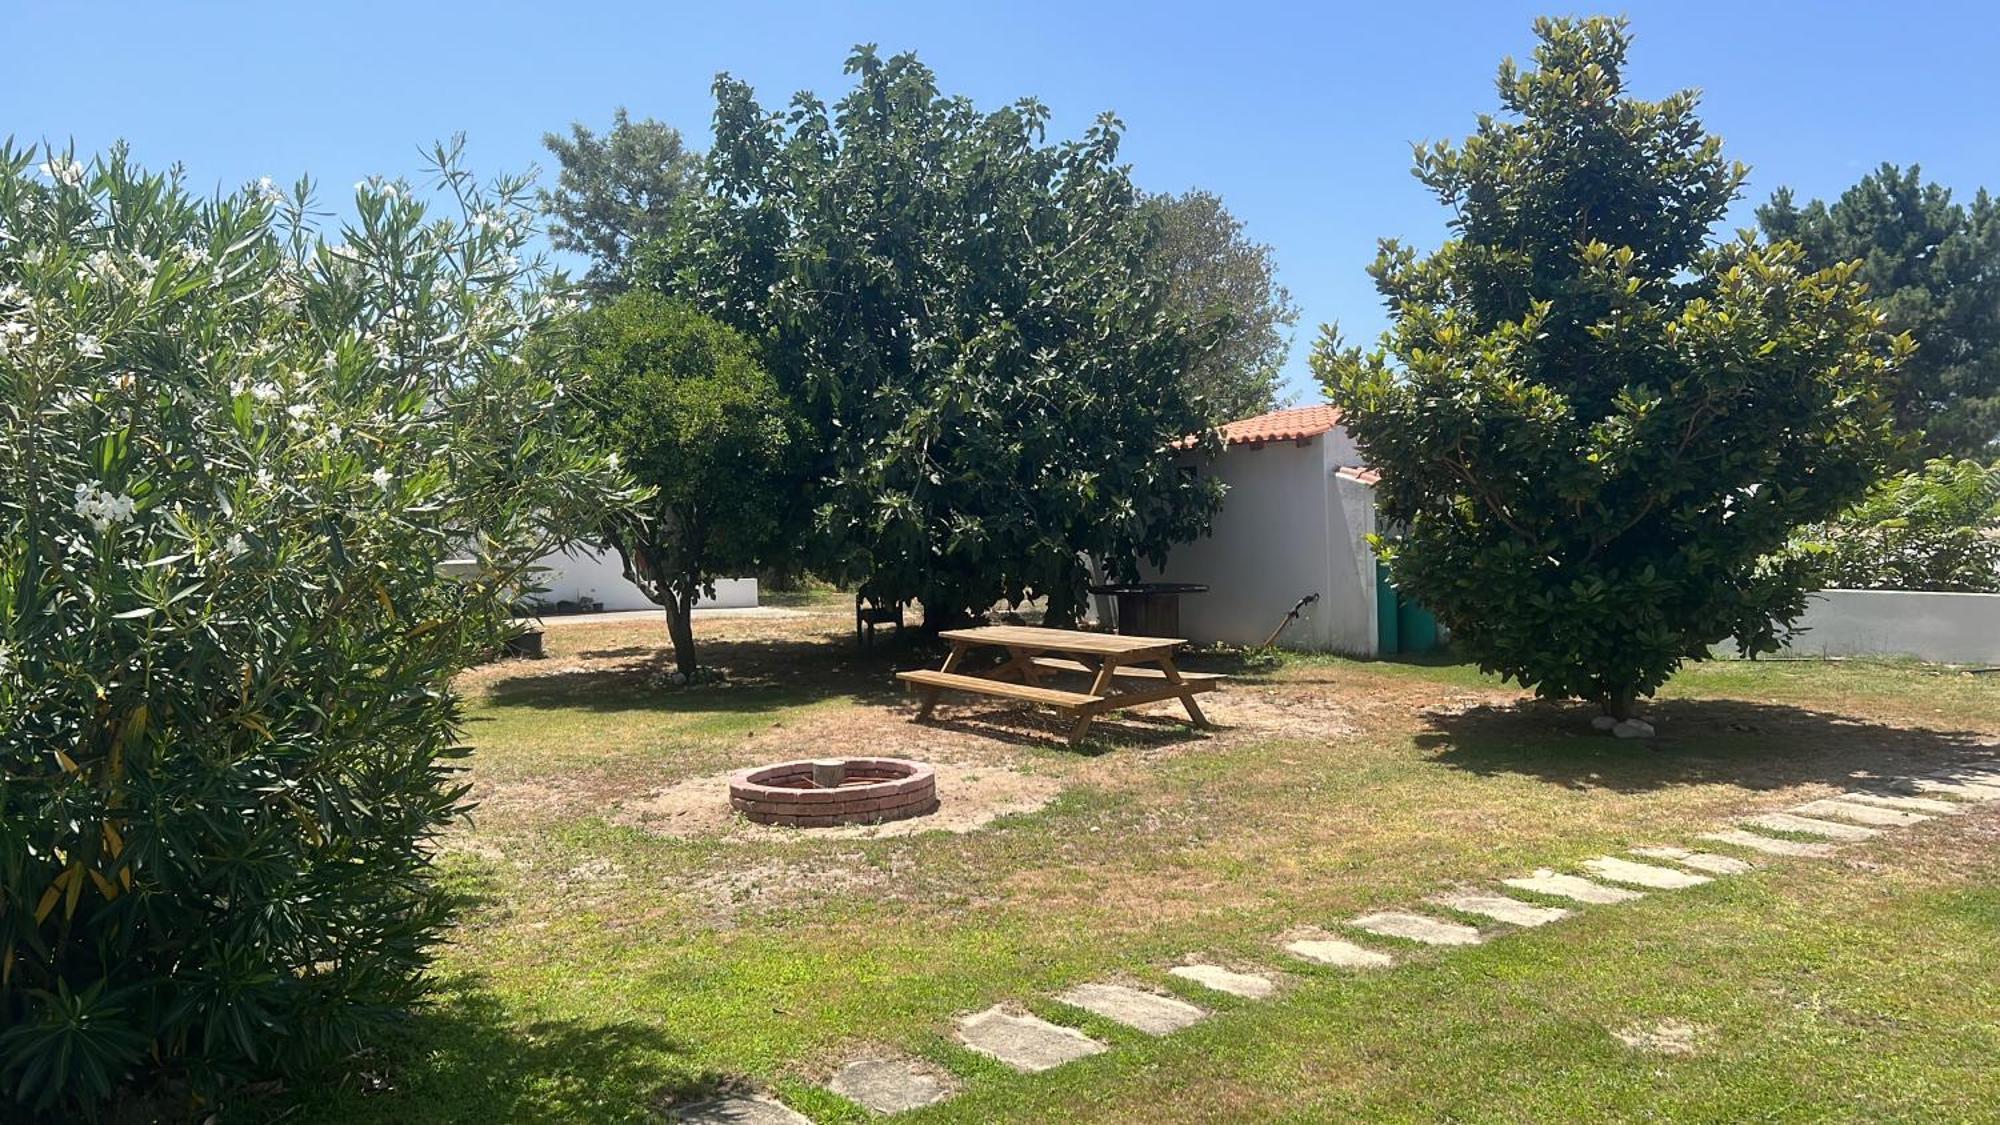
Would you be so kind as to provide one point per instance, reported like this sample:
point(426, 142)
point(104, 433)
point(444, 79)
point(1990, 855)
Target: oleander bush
point(233, 454)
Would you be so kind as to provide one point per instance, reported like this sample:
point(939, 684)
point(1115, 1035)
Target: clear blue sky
point(1300, 116)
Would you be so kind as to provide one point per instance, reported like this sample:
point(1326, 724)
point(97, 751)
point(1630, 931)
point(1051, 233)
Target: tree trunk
point(1619, 702)
point(680, 627)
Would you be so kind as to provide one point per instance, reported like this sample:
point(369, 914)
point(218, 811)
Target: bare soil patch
point(970, 796)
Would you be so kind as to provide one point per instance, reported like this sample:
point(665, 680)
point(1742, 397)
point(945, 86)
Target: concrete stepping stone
point(1859, 813)
point(742, 1109)
point(1908, 804)
point(1770, 845)
point(1651, 875)
point(887, 1085)
point(1810, 826)
point(1701, 861)
point(1024, 1042)
point(1951, 787)
point(1250, 986)
point(1547, 882)
point(1500, 908)
point(1338, 953)
point(1136, 1008)
point(1418, 927)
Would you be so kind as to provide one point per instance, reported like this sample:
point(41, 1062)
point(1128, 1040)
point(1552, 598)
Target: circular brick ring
point(820, 793)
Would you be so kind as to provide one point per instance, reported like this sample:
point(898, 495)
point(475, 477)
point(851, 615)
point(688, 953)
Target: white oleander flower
point(65, 171)
point(266, 392)
point(88, 346)
point(235, 547)
point(381, 478)
point(101, 508)
point(6, 659)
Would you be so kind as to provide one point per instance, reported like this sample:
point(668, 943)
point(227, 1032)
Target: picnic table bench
point(1146, 664)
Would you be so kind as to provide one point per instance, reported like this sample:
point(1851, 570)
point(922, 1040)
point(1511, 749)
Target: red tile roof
point(1356, 472)
point(1296, 424)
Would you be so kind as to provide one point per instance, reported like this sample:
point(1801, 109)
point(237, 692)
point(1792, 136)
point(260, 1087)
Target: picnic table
point(1142, 667)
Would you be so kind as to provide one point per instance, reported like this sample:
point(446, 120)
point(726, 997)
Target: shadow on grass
point(1701, 742)
point(757, 675)
point(467, 1058)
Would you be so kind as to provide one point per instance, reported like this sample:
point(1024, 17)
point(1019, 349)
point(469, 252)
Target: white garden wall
point(1949, 628)
point(583, 572)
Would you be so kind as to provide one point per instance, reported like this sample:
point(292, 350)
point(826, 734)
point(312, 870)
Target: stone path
point(1338, 953)
point(1136, 1008)
point(1500, 908)
point(1418, 927)
point(1872, 815)
point(1547, 882)
point(1642, 874)
point(888, 1085)
point(1024, 1042)
point(1701, 861)
point(1249, 986)
point(1809, 826)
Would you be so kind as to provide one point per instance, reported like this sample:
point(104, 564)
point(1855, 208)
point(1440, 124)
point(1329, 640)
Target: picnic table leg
point(930, 691)
point(1098, 686)
point(1187, 697)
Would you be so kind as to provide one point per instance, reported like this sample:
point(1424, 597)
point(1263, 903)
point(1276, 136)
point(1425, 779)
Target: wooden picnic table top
point(1060, 640)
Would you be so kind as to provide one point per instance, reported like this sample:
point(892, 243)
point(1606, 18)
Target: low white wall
point(1949, 628)
point(583, 572)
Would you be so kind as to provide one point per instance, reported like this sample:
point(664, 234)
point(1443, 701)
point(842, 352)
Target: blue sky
point(1300, 116)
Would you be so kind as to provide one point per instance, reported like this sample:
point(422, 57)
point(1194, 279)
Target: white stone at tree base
point(741, 1110)
point(888, 1085)
point(1642, 874)
point(1547, 882)
point(1770, 845)
point(1418, 927)
point(1859, 813)
point(1786, 822)
point(1250, 986)
point(1603, 722)
point(1500, 908)
point(1701, 861)
point(1338, 953)
point(1633, 728)
point(1136, 1008)
point(1909, 804)
point(1024, 1042)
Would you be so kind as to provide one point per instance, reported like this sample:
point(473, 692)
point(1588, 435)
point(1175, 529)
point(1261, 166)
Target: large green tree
point(682, 402)
point(966, 317)
point(1215, 272)
point(1593, 424)
point(1933, 267)
point(616, 190)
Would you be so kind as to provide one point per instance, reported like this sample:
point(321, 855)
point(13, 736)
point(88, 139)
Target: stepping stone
point(1418, 927)
point(1136, 1008)
point(1976, 774)
point(1500, 908)
point(1701, 861)
point(1908, 804)
point(889, 1085)
point(1642, 874)
point(1250, 986)
point(1770, 845)
point(1025, 1042)
point(1338, 953)
point(1547, 882)
point(1963, 790)
point(1786, 822)
point(1860, 814)
point(741, 1110)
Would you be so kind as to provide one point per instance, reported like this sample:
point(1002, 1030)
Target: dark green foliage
point(1593, 425)
point(1933, 268)
point(680, 398)
point(1935, 528)
point(232, 459)
point(1214, 273)
point(616, 191)
point(964, 316)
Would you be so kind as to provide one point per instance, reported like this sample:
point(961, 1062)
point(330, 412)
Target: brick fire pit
point(821, 793)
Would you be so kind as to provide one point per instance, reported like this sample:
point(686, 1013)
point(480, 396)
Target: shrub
point(232, 456)
point(1934, 529)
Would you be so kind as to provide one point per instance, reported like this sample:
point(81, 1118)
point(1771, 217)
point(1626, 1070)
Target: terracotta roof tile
point(1356, 472)
point(1295, 424)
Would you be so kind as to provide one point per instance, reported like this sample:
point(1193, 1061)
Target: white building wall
point(1949, 628)
point(1272, 543)
point(586, 572)
point(1350, 594)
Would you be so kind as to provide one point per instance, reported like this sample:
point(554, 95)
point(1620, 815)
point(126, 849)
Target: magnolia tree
point(233, 455)
point(1595, 425)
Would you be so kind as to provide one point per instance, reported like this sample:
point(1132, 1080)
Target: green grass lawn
point(605, 969)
